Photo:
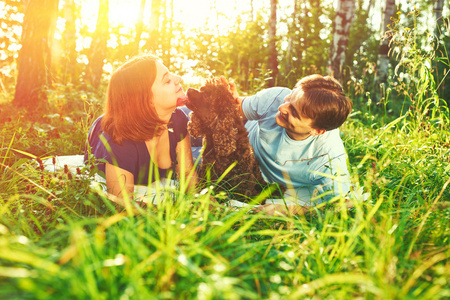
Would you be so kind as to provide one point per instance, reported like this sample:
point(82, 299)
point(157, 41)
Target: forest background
point(57, 231)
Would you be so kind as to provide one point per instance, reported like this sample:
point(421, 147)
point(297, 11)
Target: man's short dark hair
point(323, 101)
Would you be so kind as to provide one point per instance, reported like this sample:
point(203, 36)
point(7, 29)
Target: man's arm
point(241, 112)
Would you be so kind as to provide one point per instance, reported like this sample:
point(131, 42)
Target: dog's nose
point(191, 91)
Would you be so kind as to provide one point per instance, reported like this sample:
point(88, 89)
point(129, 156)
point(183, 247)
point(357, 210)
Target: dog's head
point(213, 111)
point(211, 99)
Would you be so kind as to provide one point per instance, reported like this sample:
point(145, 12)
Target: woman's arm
point(119, 183)
point(185, 166)
point(281, 209)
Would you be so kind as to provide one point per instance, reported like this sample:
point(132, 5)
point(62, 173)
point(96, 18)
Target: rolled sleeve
point(257, 106)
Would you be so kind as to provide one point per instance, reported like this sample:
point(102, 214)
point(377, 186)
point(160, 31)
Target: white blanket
point(156, 191)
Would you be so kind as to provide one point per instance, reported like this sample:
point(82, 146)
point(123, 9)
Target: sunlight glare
point(193, 14)
point(121, 12)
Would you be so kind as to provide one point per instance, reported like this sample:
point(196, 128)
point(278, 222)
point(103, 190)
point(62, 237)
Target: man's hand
point(280, 209)
point(232, 88)
point(234, 92)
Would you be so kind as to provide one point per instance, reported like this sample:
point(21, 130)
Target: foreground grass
point(62, 240)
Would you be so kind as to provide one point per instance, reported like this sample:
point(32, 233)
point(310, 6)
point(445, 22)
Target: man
point(296, 139)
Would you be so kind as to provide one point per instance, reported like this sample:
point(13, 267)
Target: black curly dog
point(215, 116)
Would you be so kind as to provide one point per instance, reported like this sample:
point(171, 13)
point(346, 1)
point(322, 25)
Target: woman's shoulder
point(95, 131)
point(96, 125)
point(179, 114)
point(98, 137)
point(178, 122)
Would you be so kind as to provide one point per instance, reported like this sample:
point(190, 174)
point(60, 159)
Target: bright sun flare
point(192, 13)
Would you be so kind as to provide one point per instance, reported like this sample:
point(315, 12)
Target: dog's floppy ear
point(224, 136)
point(194, 126)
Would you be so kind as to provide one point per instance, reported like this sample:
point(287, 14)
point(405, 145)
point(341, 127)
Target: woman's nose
point(177, 79)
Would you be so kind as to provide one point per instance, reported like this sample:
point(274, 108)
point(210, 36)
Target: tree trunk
point(272, 46)
point(35, 55)
point(98, 49)
point(153, 40)
point(168, 34)
point(383, 58)
point(341, 30)
point(290, 48)
point(70, 55)
point(139, 28)
point(438, 7)
point(213, 9)
point(370, 6)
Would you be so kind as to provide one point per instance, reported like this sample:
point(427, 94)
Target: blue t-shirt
point(308, 168)
point(133, 156)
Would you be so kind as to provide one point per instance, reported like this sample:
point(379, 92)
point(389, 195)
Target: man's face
point(298, 127)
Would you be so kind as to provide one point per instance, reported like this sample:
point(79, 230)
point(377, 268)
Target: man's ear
point(317, 131)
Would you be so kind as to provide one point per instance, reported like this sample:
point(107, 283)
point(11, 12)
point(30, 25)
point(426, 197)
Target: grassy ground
point(62, 240)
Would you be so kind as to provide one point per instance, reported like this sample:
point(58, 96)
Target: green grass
point(62, 239)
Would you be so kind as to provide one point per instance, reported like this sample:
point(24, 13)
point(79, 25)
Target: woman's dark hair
point(129, 109)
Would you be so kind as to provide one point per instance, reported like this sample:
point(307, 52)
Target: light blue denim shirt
point(314, 170)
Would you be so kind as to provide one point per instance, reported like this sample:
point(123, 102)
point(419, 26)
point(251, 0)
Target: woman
point(141, 132)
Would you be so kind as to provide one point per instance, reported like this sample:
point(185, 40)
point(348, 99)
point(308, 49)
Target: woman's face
point(166, 90)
